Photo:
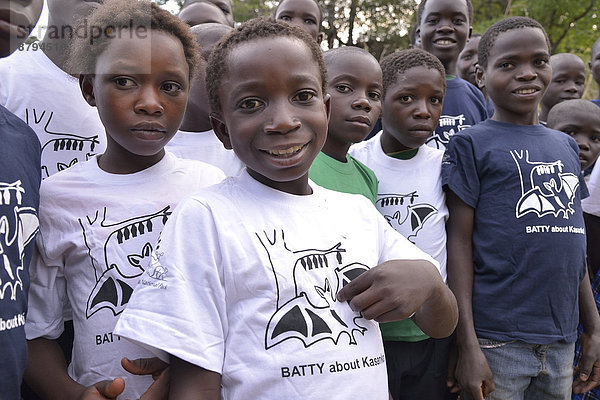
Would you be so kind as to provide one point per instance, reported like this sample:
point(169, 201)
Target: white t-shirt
point(206, 147)
point(591, 204)
point(244, 283)
point(50, 102)
point(97, 232)
point(410, 194)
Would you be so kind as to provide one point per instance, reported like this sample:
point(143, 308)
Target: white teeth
point(525, 91)
point(285, 152)
point(444, 42)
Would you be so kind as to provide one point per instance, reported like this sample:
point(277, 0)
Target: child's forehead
point(446, 6)
point(306, 6)
point(565, 61)
point(351, 60)
point(507, 42)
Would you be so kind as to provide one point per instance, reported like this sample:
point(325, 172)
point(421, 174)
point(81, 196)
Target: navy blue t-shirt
point(20, 178)
point(464, 106)
point(525, 185)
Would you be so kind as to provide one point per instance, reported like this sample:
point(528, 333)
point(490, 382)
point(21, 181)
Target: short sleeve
point(178, 306)
point(459, 170)
point(47, 295)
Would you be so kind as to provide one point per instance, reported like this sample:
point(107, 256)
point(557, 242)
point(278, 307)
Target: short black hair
point(114, 15)
point(421, 8)
point(401, 61)
point(257, 28)
point(318, 6)
point(504, 25)
point(330, 55)
point(562, 110)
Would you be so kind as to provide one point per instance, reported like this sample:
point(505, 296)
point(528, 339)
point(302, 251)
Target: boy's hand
point(103, 390)
point(400, 289)
point(471, 373)
point(587, 372)
point(159, 370)
point(391, 291)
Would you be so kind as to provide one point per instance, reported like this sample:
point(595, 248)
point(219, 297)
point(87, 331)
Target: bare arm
point(189, 382)
point(46, 374)
point(588, 370)
point(592, 230)
point(394, 290)
point(472, 372)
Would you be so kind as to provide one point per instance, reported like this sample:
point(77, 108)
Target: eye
point(458, 21)
point(541, 62)
point(406, 98)
point(595, 138)
point(171, 87)
point(375, 96)
point(343, 88)
point(310, 21)
point(560, 81)
point(123, 82)
point(505, 65)
point(250, 104)
point(432, 21)
point(569, 131)
point(435, 100)
point(285, 18)
point(304, 96)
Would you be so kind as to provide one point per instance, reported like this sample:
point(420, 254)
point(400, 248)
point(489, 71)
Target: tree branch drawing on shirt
point(60, 150)
point(545, 187)
point(401, 212)
point(18, 226)
point(126, 250)
point(307, 284)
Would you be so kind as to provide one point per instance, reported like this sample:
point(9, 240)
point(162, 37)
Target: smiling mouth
point(444, 42)
point(285, 152)
point(525, 91)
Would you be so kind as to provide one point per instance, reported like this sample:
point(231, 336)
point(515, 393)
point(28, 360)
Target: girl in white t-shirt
point(100, 219)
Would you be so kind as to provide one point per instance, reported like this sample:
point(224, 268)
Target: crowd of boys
point(202, 216)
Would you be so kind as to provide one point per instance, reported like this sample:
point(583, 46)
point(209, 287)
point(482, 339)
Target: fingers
point(144, 366)
point(356, 286)
point(587, 377)
point(160, 388)
point(110, 389)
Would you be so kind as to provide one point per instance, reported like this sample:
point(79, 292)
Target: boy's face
point(585, 129)
point(517, 75)
point(226, 7)
point(467, 60)
point(355, 86)
point(17, 19)
point(140, 88)
point(568, 79)
point(594, 63)
point(273, 112)
point(444, 30)
point(304, 14)
point(411, 109)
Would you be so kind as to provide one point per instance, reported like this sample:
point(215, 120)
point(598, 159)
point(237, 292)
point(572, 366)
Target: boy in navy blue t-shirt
point(444, 27)
point(516, 236)
point(19, 190)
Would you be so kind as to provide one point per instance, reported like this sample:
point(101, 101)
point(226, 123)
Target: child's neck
point(122, 163)
point(336, 149)
point(530, 118)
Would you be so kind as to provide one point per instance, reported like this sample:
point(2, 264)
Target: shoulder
point(366, 146)
point(199, 167)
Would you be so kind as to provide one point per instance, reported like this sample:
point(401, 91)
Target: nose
point(526, 73)
point(571, 87)
point(281, 119)
point(583, 145)
point(149, 102)
point(362, 102)
point(422, 110)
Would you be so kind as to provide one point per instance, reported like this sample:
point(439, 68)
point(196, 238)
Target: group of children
point(270, 251)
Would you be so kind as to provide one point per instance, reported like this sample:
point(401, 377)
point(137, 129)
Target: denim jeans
point(525, 371)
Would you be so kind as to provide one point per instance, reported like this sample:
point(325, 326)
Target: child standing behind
point(354, 84)
point(568, 82)
point(271, 281)
point(411, 199)
point(444, 27)
point(100, 219)
point(516, 236)
point(594, 66)
point(305, 14)
point(195, 138)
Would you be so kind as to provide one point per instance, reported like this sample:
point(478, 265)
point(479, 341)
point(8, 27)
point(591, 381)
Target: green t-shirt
point(349, 177)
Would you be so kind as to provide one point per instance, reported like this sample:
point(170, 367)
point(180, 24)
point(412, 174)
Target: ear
point(327, 102)
point(86, 84)
point(470, 32)
point(220, 130)
point(479, 76)
point(320, 37)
